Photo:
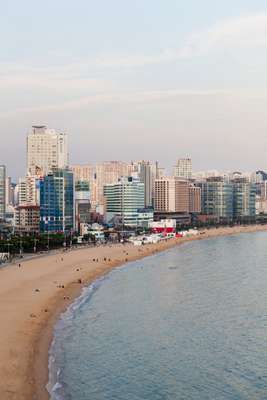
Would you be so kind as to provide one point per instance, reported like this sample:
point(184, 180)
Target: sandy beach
point(33, 296)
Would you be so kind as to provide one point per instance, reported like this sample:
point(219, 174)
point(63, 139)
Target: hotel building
point(47, 150)
point(171, 195)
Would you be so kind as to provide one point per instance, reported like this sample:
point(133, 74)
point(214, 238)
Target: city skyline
point(122, 79)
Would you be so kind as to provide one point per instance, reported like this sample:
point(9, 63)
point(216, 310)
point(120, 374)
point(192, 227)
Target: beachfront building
point(124, 202)
point(244, 199)
point(82, 203)
point(171, 195)
point(183, 168)
point(27, 219)
point(57, 202)
point(2, 192)
point(194, 199)
point(172, 199)
point(47, 150)
point(217, 198)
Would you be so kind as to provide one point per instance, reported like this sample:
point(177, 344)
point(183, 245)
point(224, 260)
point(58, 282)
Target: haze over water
point(186, 324)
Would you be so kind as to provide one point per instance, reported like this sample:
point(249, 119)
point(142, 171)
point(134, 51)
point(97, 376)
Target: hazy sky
point(139, 79)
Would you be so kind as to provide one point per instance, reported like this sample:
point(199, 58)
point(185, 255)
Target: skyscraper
point(47, 150)
point(183, 168)
point(2, 191)
point(57, 202)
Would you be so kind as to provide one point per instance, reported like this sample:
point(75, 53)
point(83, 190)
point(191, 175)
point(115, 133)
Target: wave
point(55, 387)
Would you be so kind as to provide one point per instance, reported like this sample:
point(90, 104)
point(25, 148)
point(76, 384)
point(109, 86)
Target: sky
point(140, 79)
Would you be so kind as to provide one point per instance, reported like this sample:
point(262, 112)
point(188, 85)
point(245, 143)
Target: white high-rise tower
point(47, 149)
point(183, 168)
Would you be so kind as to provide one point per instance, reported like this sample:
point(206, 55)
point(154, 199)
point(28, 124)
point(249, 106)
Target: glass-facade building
point(82, 203)
point(2, 192)
point(123, 200)
point(57, 202)
point(244, 199)
point(228, 200)
point(217, 198)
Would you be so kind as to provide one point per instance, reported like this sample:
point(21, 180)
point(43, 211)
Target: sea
point(189, 323)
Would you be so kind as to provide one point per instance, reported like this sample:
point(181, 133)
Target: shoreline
point(33, 297)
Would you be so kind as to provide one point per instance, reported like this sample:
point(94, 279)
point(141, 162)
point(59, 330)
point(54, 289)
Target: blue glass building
point(57, 201)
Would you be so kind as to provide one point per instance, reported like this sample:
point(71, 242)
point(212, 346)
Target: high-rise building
point(183, 168)
point(9, 192)
point(57, 201)
point(125, 202)
point(29, 191)
point(82, 203)
point(171, 195)
point(146, 173)
point(2, 192)
point(47, 150)
point(87, 173)
point(194, 199)
point(109, 172)
point(244, 197)
point(217, 198)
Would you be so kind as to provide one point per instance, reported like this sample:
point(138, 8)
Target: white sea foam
point(54, 387)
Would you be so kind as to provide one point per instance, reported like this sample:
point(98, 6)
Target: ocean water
point(186, 324)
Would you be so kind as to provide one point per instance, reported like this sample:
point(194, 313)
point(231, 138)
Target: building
point(57, 202)
point(183, 168)
point(217, 198)
point(82, 203)
point(29, 190)
point(172, 200)
point(47, 150)
point(9, 192)
point(124, 202)
point(194, 199)
point(171, 195)
point(108, 172)
point(2, 192)
point(27, 219)
point(163, 226)
point(244, 198)
point(147, 172)
point(87, 173)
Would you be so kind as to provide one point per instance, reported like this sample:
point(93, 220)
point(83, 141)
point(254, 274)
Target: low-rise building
point(27, 219)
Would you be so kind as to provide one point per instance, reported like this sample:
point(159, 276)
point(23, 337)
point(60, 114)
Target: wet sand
point(33, 296)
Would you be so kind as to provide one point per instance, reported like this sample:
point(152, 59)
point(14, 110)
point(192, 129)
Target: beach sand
point(33, 296)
